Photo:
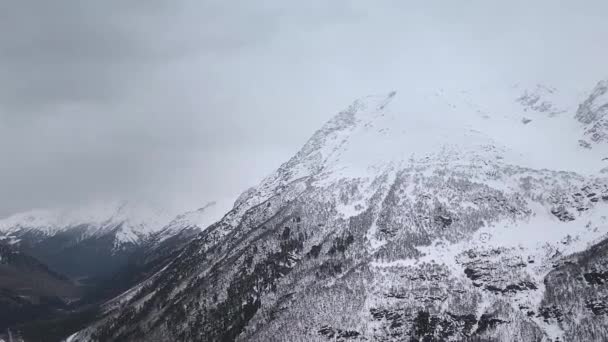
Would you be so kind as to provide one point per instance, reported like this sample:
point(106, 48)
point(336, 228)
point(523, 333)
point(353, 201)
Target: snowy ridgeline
point(129, 224)
point(477, 216)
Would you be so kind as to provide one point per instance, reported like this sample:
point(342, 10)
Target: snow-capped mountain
point(194, 221)
point(129, 223)
point(446, 216)
point(100, 238)
point(104, 249)
point(160, 246)
point(91, 241)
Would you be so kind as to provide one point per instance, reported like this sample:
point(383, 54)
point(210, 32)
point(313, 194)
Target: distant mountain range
point(56, 261)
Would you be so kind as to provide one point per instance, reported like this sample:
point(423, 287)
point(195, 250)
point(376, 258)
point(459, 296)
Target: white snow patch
point(541, 238)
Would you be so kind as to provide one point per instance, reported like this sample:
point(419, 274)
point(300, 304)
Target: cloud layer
point(183, 102)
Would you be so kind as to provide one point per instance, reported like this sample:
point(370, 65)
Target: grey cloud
point(70, 51)
point(189, 101)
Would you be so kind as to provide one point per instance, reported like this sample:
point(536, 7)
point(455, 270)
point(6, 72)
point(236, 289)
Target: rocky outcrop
point(593, 113)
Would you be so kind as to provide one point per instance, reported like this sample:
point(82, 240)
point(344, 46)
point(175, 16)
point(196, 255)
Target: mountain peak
point(438, 216)
point(380, 132)
point(130, 221)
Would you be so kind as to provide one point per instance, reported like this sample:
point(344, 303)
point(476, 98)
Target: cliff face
point(593, 113)
point(403, 218)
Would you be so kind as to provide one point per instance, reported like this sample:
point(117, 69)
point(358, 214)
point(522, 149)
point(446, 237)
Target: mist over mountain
point(341, 170)
point(189, 102)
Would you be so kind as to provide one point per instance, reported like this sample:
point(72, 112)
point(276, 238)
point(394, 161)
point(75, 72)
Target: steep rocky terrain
point(453, 216)
point(594, 114)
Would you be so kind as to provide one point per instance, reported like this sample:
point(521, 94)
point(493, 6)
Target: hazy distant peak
point(129, 221)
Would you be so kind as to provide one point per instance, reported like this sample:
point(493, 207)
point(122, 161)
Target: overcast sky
point(183, 102)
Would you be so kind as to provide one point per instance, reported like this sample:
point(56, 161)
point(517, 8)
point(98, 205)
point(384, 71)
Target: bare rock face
point(397, 221)
point(593, 113)
point(538, 100)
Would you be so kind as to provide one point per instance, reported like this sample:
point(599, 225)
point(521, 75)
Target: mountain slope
point(428, 217)
point(158, 249)
point(102, 244)
point(91, 241)
point(28, 289)
point(105, 250)
point(130, 223)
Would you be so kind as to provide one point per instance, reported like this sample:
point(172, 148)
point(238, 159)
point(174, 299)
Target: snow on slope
point(533, 129)
point(458, 204)
point(198, 219)
point(131, 222)
point(445, 127)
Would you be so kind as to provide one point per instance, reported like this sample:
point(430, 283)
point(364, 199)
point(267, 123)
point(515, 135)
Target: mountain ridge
point(391, 225)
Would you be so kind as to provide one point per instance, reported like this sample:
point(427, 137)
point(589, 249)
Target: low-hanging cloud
point(183, 102)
